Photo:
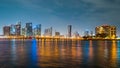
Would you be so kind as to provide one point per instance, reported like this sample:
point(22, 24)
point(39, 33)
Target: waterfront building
point(29, 29)
point(57, 34)
point(76, 34)
point(38, 30)
point(6, 30)
point(12, 30)
point(69, 30)
point(23, 31)
point(48, 32)
point(34, 31)
point(105, 31)
point(18, 29)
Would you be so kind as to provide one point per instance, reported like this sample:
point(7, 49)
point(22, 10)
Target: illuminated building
point(76, 34)
point(18, 29)
point(34, 31)
point(12, 30)
point(48, 32)
point(69, 30)
point(29, 29)
point(23, 32)
point(15, 29)
point(57, 33)
point(38, 30)
point(105, 31)
point(6, 30)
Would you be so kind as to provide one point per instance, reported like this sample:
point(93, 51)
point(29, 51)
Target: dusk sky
point(81, 14)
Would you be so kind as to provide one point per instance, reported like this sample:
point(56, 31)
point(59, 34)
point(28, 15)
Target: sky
point(81, 14)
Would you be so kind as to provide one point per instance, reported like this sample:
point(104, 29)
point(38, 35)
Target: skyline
point(60, 13)
point(15, 30)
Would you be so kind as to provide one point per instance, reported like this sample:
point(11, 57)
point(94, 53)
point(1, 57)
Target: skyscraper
point(48, 32)
point(29, 29)
point(12, 30)
point(69, 30)
point(18, 29)
point(23, 32)
point(38, 27)
point(37, 30)
point(6, 30)
point(34, 31)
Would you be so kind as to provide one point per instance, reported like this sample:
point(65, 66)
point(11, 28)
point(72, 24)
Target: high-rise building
point(37, 30)
point(6, 30)
point(18, 29)
point(12, 30)
point(23, 32)
point(76, 34)
point(38, 27)
point(69, 30)
point(29, 29)
point(34, 31)
point(105, 31)
point(48, 32)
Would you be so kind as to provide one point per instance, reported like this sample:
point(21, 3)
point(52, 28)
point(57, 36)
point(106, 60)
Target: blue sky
point(81, 14)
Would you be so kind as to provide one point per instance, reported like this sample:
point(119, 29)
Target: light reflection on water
point(77, 54)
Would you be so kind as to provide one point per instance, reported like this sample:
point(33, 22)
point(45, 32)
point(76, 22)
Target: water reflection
point(37, 53)
point(113, 58)
point(90, 50)
point(13, 50)
point(34, 52)
point(118, 53)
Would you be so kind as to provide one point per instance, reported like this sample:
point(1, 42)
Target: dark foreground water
point(79, 54)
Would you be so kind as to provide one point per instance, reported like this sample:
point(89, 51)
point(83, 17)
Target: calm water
point(79, 54)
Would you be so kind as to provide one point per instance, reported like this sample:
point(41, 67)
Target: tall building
point(105, 31)
point(37, 30)
point(29, 29)
point(6, 30)
point(12, 30)
point(34, 31)
point(76, 34)
point(23, 31)
point(48, 32)
point(38, 27)
point(18, 29)
point(69, 30)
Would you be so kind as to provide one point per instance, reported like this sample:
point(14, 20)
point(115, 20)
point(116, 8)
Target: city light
point(29, 32)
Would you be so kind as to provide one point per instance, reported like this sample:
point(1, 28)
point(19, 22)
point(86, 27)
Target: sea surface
point(59, 54)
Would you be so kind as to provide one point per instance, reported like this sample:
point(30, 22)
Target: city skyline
point(102, 31)
point(58, 14)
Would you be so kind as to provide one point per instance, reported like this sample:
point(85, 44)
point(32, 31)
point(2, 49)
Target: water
point(77, 54)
